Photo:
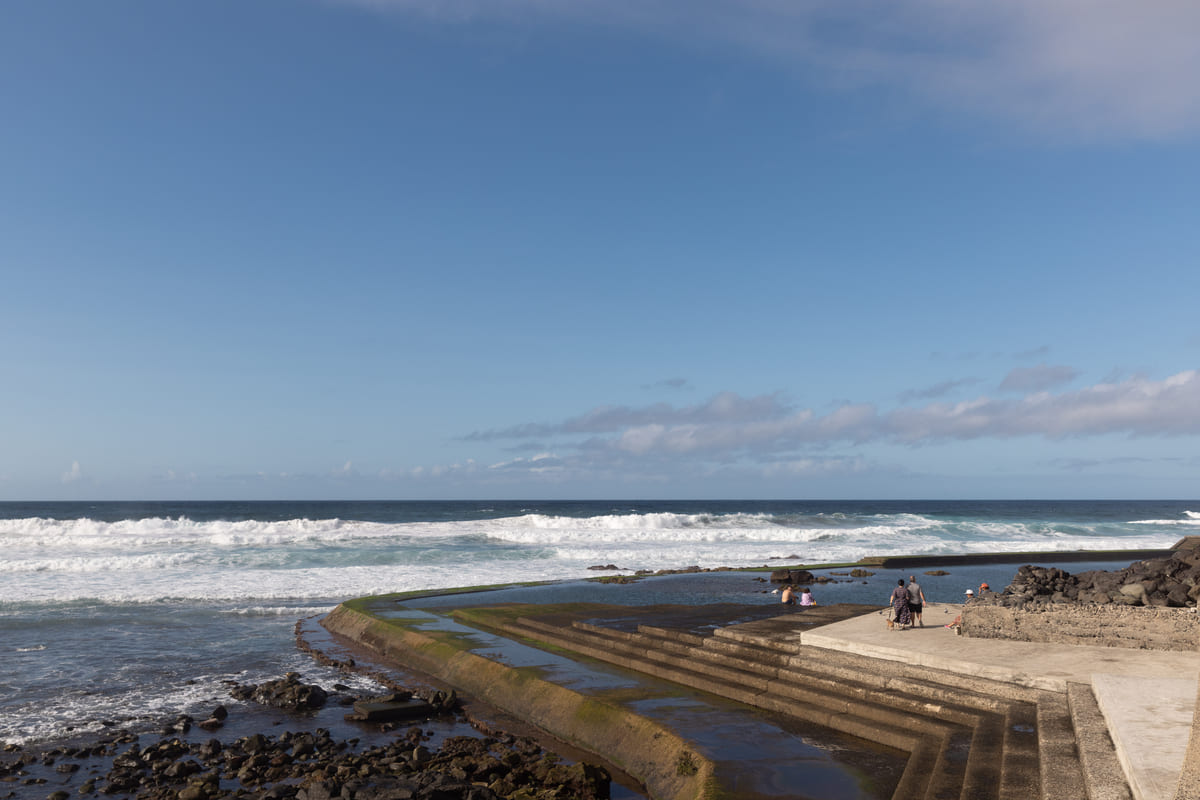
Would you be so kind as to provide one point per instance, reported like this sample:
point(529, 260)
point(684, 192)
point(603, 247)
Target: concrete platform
point(1148, 698)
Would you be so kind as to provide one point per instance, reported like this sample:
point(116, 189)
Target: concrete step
point(894, 729)
point(631, 652)
point(917, 781)
point(966, 737)
point(752, 657)
point(684, 637)
point(838, 662)
point(738, 663)
point(1102, 769)
point(960, 751)
point(832, 675)
point(1020, 775)
point(1004, 752)
point(1061, 771)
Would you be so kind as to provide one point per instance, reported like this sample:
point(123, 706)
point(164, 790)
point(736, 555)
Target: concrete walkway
point(1148, 697)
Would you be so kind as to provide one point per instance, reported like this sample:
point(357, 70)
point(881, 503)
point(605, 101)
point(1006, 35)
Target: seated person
point(806, 598)
point(958, 620)
point(789, 595)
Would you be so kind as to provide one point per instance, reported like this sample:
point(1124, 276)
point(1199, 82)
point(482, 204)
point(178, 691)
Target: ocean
point(128, 612)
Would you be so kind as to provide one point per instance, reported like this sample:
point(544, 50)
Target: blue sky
point(537, 249)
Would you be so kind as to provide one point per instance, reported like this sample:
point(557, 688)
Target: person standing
point(900, 613)
point(916, 601)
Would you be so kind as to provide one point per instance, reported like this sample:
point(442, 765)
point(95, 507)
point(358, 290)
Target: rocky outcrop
point(793, 576)
point(313, 765)
point(1172, 582)
point(287, 693)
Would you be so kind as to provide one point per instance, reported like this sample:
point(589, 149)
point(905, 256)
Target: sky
point(544, 249)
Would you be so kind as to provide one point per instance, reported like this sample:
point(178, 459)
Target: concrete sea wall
point(1134, 627)
point(640, 747)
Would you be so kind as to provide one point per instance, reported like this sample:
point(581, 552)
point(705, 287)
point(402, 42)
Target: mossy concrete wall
point(640, 747)
point(1134, 627)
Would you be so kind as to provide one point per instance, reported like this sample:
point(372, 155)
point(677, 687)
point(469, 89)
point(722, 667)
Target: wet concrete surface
point(762, 755)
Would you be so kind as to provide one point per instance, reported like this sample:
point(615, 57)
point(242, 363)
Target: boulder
point(1136, 591)
point(793, 576)
point(287, 693)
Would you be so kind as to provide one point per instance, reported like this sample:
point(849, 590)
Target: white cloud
point(1136, 407)
point(725, 407)
point(539, 464)
point(1034, 379)
point(814, 467)
point(938, 389)
point(73, 474)
point(460, 468)
point(1105, 68)
point(672, 384)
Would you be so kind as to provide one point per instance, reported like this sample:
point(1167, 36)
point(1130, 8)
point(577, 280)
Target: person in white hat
point(970, 593)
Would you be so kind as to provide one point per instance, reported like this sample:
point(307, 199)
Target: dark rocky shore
point(305, 765)
point(395, 756)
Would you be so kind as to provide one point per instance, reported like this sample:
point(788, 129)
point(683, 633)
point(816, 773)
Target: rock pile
point(309, 765)
point(287, 693)
point(314, 766)
point(1162, 582)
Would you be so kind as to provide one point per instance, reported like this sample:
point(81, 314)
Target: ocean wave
point(1190, 518)
point(279, 611)
point(161, 532)
point(650, 522)
point(264, 565)
point(84, 564)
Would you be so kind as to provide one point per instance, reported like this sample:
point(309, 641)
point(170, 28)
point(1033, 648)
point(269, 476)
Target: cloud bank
point(1097, 68)
point(729, 428)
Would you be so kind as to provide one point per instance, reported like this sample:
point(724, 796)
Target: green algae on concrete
point(399, 597)
point(645, 749)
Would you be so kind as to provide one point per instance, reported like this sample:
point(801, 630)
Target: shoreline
point(271, 724)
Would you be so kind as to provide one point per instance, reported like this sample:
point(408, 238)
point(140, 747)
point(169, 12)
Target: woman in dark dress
point(900, 613)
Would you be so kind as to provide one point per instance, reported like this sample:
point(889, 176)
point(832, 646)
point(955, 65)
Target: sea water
point(118, 612)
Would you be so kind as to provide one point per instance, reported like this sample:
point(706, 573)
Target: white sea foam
point(280, 611)
point(85, 710)
point(106, 563)
point(158, 532)
point(1190, 518)
point(280, 564)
